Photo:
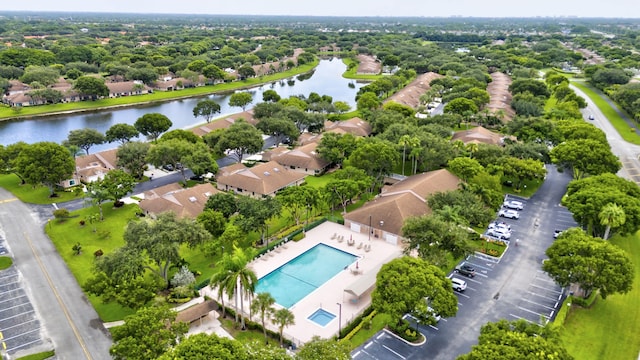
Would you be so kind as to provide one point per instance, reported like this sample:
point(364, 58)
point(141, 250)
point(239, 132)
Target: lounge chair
point(334, 236)
point(360, 246)
point(340, 238)
point(367, 247)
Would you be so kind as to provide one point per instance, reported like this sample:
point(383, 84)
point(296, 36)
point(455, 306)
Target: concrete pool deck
point(331, 293)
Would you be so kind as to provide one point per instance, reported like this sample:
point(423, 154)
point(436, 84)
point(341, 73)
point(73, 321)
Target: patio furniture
point(367, 247)
point(334, 236)
point(360, 246)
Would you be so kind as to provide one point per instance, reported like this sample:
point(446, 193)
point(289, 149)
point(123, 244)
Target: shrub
point(61, 214)
point(77, 248)
point(184, 277)
point(98, 253)
point(298, 237)
point(82, 222)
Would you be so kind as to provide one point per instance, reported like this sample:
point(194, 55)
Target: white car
point(499, 225)
point(514, 205)
point(458, 284)
point(510, 214)
point(499, 233)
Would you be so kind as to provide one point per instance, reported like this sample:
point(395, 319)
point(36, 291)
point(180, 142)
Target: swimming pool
point(321, 317)
point(294, 280)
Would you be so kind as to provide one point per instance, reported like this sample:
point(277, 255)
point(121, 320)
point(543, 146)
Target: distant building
point(259, 181)
point(185, 203)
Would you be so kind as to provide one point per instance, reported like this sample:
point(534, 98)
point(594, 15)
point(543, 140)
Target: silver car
point(499, 233)
point(513, 204)
point(510, 214)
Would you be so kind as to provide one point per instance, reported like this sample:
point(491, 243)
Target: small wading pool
point(321, 317)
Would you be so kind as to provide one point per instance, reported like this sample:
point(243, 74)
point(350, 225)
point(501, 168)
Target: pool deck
point(329, 295)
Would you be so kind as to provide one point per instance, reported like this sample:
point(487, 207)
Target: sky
point(424, 8)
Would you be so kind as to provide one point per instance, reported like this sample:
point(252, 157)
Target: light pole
point(339, 319)
point(370, 229)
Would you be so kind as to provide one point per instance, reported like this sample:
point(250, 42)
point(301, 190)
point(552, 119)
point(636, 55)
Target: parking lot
point(19, 326)
point(512, 287)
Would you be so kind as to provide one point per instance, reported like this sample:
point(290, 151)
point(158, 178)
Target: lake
point(326, 80)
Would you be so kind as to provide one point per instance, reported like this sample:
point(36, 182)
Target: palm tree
point(262, 304)
point(472, 148)
point(611, 215)
point(223, 281)
point(404, 141)
point(244, 278)
point(283, 318)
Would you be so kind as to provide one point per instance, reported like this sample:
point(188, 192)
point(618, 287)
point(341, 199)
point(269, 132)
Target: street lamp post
point(370, 228)
point(339, 319)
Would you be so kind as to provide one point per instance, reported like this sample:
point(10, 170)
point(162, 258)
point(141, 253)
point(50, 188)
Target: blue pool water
point(294, 280)
point(321, 317)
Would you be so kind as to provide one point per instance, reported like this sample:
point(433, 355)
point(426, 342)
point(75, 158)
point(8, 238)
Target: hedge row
point(251, 325)
point(353, 327)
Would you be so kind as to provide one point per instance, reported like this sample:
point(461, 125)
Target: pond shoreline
point(148, 102)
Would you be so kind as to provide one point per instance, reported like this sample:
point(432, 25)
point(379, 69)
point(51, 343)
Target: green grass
point(156, 96)
point(32, 194)
point(618, 123)
point(246, 336)
point(528, 188)
point(378, 323)
point(351, 74)
point(5, 262)
point(38, 356)
point(609, 329)
point(107, 237)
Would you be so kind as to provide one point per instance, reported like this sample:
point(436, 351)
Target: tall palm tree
point(244, 278)
point(611, 215)
point(263, 304)
point(283, 318)
point(472, 148)
point(223, 281)
point(404, 141)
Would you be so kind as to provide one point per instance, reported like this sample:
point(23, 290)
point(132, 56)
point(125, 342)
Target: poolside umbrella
point(356, 265)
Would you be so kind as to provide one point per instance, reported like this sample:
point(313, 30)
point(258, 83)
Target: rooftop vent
point(266, 173)
point(193, 199)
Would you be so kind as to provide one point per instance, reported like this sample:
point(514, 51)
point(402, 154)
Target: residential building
point(384, 216)
point(479, 135)
point(261, 180)
point(185, 203)
point(303, 159)
point(92, 167)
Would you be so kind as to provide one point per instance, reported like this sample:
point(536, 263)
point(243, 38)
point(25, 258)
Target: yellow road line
point(62, 305)
point(4, 345)
point(8, 200)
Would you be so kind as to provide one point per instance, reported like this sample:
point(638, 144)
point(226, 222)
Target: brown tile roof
point(403, 200)
point(478, 135)
point(96, 164)
point(273, 153)
point(225, 123)
point(124, 87)
point(392, 210)
point(425, 184)
point(304, 157)
point(500, 97)
point(307, 137)
point(262, 179)
point(185, 203)
point(410, 94)
point(354, 126)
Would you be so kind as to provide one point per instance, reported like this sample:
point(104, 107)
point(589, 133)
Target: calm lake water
point(326, 80)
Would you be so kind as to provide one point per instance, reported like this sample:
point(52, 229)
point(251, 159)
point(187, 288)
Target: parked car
point(510, 214)
point(499, 233)
point(458, 284)
point(556, 233)
point(513, 204)
point(467, 270)
point(499, 225)
point(591, 117)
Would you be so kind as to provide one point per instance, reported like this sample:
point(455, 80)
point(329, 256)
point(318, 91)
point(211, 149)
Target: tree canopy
point(592, 263)
point(152, 125)
point(44, 163)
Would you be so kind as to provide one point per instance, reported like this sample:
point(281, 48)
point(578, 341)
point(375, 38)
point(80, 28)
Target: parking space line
point(533, 302)
point(12, 299)
point(531, 311)
point(395, 353)
point(544, 288)
point(521, 318)
point(467, 296)
point(15, 306)
point(11, 317)
point(542, 296)
point(22, 334)
point(379, 336)
point(22, 323)
point(25, 344)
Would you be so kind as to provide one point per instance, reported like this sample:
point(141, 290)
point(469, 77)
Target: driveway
point(48, 308)
point(513, 287)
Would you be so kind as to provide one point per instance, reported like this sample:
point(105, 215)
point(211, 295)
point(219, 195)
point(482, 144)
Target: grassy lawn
point(29, 111)
point(107, 237)
point(351, 74)
point(528, 189)
point(30, 194)
point(618, 123)
point(609, 329)
point(246, 336)
point(38, 356)
point(378, 323)
point(5, 262)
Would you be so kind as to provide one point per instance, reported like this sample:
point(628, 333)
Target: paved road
point(69, 320)
point(513, 288)
point(628, 153)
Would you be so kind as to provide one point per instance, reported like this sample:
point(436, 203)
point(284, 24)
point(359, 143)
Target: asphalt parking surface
point(512, 287)
point(19, 326)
